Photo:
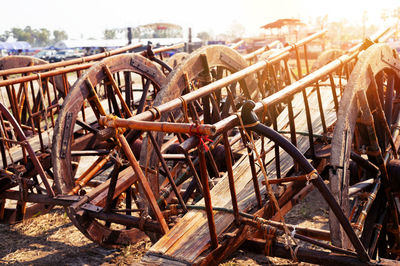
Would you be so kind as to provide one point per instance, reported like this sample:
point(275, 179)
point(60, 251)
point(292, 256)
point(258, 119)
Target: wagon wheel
point(361, 147)
point(21, 173)
point(176, 59)
point(326, 57)
point(16, 61)
point(204, 66)
point(121, 85)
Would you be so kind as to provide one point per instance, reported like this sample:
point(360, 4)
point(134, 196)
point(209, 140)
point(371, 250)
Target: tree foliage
point(36, 37)
point(110, 34)
point(204, 36)
point(60, 35)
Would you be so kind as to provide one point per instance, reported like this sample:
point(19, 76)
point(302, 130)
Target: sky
point(89, 18)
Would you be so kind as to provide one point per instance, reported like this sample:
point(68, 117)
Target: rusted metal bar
point(320, 107)
point(207, 198)
point(169, 176)
point(28, 148)
point(195, 129)
point(359, 224)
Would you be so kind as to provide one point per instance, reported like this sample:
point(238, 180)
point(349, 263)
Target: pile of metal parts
point(207, 152)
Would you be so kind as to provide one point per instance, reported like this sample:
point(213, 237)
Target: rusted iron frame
point(249, 117)
point(91, 172)
point(273, 115)
point(49, 73)
point(143, 97)
point(321, 108)
point(5, 142)
point(168, 173)
point(29, 108)
point(228, 160)
point(309, 123)
point(128, 220)
point(81, 60)
point(252, 165)
point(184, 148)
point(111, 188)
point(334, 94)
point(114, 85)
point(223, 82)
point(383, 120)
point(38, 198)
point(367, 120)
point(20, 134)
point(54, 72)
point(378, 227)
point(207, 198)
point(371, 132)
point(359, 224)
point(286, 92)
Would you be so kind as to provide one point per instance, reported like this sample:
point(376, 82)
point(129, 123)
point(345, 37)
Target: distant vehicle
point(45, 54)
point(63, 55)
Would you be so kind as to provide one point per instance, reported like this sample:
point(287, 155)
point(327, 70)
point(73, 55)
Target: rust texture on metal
point(210, 154)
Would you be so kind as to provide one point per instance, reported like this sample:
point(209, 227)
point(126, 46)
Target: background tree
point(59, 35)
point(41, 37)
point(204, 36)
point(110, 34)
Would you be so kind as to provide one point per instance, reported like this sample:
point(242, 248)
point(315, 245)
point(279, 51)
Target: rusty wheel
point(364, 144)
point(121, 85)
point(202, 67)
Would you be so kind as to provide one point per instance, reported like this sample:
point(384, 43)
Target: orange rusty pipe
point(116, 122)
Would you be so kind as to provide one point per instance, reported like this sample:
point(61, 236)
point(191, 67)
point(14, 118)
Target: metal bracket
point(66, 135)
point(73, 198)
point(142, 67)
point(91, 208)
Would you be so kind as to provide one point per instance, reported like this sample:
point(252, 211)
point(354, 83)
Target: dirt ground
point(51, 239)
